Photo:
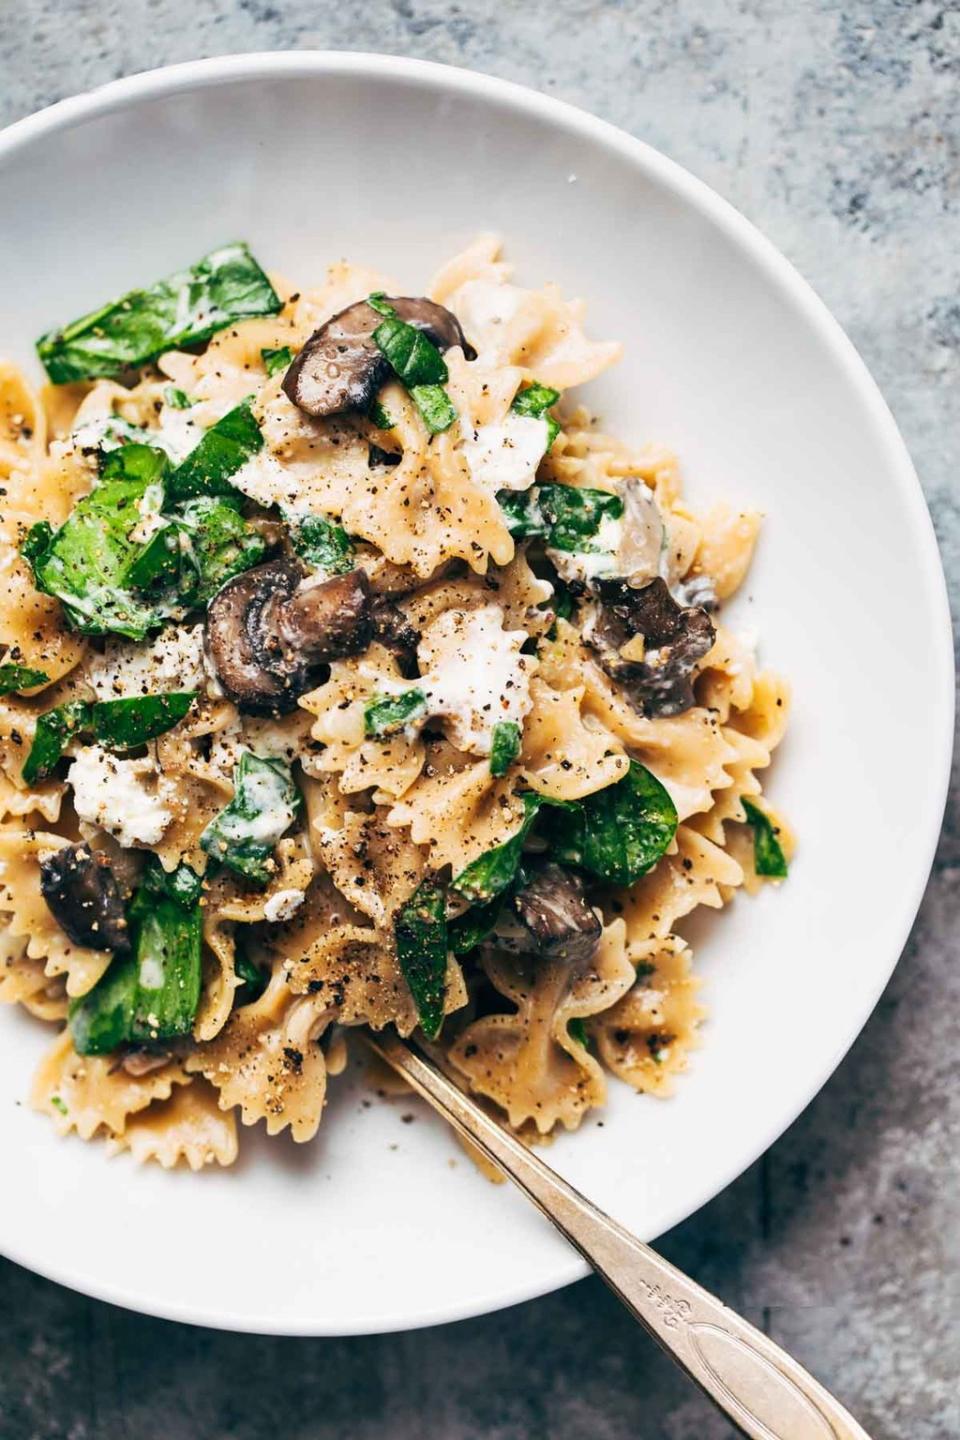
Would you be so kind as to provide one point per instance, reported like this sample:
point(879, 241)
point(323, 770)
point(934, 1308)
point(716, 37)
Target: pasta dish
point(352, 675)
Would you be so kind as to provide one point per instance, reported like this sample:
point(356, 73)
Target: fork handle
point(764, 1392)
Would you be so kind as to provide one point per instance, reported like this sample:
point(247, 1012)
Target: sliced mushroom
point(341, 367)
point(269, 629)
point(555, 920)
point(392, 628)
point(83, 896)
point(674, 638)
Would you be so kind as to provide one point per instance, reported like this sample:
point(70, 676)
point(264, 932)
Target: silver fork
point(764, 1392)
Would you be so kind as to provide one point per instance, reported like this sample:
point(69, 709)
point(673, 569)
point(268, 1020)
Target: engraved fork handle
point(764, 1392)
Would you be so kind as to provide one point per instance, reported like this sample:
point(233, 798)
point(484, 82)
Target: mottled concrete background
point(836, 127)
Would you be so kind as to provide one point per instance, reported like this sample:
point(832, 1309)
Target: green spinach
point(385, 714)
point(265, 804)
point(535, 400)
point(117, 724)
point(417, 363)
point(322, 543)
point(505, 746)
point(184, 309)
point(768, 857)
point(151, 994)
point(20, 677)
point(86, 563)
point(620, 832)
point(277, 360)
point(55, 729)
point(420, 930)
point(225, 448)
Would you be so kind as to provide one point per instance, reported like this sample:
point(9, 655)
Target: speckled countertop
point(836, 128)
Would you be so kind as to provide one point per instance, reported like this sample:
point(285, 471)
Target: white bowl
point(731, 359)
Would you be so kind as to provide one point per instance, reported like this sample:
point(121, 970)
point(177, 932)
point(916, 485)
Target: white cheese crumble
point(505, 456)
point(474, 675)
point(173, 660)
point(127, 798)
point(283, 905)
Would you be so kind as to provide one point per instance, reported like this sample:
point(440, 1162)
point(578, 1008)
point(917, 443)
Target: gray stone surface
point(836, 127)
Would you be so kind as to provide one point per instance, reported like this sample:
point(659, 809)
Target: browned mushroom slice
point(270, 628)
point(675, 637)
point(84, 898)
point(341, 367)
point(392, 628)
point(555, 920)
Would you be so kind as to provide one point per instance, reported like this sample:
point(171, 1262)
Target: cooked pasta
point(351, 675)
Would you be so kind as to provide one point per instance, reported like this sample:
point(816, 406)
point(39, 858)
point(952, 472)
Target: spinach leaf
point(55, 729)
point(412, 354)
point(378, 301)
point(20, 677)
point(37, 542)
point(577, 1030)
point(490, 874)
point(123, 724)
point(421, 937)
point(474, 925)
point(118, 724)
point(183, 884)
point(620, 832)
point(253, 980)
point(321, 543)
point(385, 714)
point(277, 360)
point(768, 856)
point(225, 448)
point(176, 398)
point(535, 401)
point(522, 514)
point(85, 563)
point(183, 309)
point(381, 417)
point(574, 515)
point(215, 543)
point(435, 406)
point(153, 993)
point(505, 746)
point(205, 542)
point(417, 362)
point(567, 517)
point(265, 804)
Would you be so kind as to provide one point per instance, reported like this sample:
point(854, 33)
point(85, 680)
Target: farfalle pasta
point(351, 675)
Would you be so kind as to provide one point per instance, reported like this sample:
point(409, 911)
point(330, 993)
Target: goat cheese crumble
point(283, 905)
point(127, 798)
point(505, 456)
point(172, 660)
point(474, 675)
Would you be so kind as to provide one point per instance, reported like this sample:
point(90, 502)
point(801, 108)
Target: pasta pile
point(483, 822)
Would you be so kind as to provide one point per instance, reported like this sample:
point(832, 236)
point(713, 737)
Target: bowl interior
point(729, 360)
